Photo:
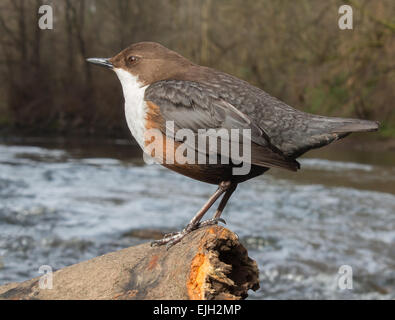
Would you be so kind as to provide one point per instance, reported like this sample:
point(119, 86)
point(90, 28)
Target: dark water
point(61, 203)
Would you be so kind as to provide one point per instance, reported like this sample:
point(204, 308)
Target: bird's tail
point(321, 131)
point(331, 125)
point(354, 125)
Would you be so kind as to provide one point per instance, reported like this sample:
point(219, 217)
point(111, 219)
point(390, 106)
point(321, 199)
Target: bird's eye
point(132, 59)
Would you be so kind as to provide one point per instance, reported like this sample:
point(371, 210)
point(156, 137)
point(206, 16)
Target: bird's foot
point(170, 239)
point(210, 222)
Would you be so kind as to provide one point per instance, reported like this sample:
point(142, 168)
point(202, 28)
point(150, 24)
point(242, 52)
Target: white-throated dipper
point(160, 85)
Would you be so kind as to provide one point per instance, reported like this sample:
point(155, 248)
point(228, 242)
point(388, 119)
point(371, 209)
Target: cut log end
point(221, 269)
point(210, 263)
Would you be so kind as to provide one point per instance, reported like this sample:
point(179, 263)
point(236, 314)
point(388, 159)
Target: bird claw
point(210, 222)
point(170, 234)
point(170, 239)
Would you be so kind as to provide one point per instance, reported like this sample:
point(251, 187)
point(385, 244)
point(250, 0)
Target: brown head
point(147, 61)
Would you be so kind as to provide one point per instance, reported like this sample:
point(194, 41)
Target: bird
point(160, 85)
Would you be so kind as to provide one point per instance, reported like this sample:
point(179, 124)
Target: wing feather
point(192, 105)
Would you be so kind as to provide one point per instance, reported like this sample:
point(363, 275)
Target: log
point(208, 264)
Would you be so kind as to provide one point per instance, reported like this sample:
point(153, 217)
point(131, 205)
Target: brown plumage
point(160, 85)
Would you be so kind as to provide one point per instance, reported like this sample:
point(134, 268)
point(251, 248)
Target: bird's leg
point(220, 208)
point(173, 238)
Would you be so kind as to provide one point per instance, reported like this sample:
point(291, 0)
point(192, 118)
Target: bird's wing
point(192, 105)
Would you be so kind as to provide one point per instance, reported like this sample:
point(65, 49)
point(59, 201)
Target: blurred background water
point(64, 202)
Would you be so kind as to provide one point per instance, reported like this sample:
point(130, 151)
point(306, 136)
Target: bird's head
point(144, 62)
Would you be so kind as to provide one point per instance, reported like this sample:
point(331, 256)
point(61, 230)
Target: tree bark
point(210, 263)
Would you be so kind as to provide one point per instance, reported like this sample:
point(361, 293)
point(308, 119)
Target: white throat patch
point(135, 106)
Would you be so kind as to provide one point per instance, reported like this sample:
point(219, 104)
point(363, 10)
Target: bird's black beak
point(101, 62)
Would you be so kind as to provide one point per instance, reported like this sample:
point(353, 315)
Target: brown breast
point(163, 149)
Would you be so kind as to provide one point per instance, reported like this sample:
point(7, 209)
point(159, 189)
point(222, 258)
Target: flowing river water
point(64, 202)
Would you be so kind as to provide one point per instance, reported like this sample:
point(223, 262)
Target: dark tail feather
point(324, 130)
point(355, 125)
